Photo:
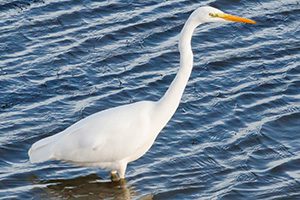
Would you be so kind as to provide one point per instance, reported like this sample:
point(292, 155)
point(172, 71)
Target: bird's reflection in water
point(89, 187)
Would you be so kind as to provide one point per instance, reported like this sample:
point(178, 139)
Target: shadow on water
point(89, 187)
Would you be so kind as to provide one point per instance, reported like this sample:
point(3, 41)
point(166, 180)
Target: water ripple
point(234, 136)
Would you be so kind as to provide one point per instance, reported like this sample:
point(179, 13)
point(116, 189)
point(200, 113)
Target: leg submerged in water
point(119, 174)
point(114, 176)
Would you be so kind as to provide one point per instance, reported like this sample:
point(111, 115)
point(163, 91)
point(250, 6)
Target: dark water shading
point(236, 134)
point(87, 187)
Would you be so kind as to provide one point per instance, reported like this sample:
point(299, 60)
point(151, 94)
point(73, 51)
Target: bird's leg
point(122, 170)
point(114, 176)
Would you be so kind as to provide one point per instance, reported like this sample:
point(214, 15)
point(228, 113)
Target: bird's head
point(210, 14)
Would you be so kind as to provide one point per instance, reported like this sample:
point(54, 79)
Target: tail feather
point(42, 150)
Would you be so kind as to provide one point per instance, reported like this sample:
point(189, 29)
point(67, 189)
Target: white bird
point(112, 138)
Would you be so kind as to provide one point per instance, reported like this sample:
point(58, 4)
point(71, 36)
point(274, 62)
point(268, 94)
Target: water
point(234, 136)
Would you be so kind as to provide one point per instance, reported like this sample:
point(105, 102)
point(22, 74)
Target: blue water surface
point(235, 135)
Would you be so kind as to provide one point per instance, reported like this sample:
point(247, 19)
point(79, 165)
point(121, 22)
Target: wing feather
point(110, 135)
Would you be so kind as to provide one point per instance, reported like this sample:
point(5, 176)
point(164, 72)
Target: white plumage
point(114, 137)
point(101, 139)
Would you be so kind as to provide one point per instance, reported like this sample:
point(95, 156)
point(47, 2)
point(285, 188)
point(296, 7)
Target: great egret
point(112, 138)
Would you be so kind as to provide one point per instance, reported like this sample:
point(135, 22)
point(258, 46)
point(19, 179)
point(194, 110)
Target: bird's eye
point(213, 14)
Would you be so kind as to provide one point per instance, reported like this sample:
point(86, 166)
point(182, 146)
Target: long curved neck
point(168, 104)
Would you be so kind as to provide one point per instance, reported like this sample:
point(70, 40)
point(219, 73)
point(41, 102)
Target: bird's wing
point(110, 135)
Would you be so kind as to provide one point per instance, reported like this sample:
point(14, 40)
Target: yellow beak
point(233, 18)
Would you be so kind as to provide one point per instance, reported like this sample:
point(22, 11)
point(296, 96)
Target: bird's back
point(114, 134)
